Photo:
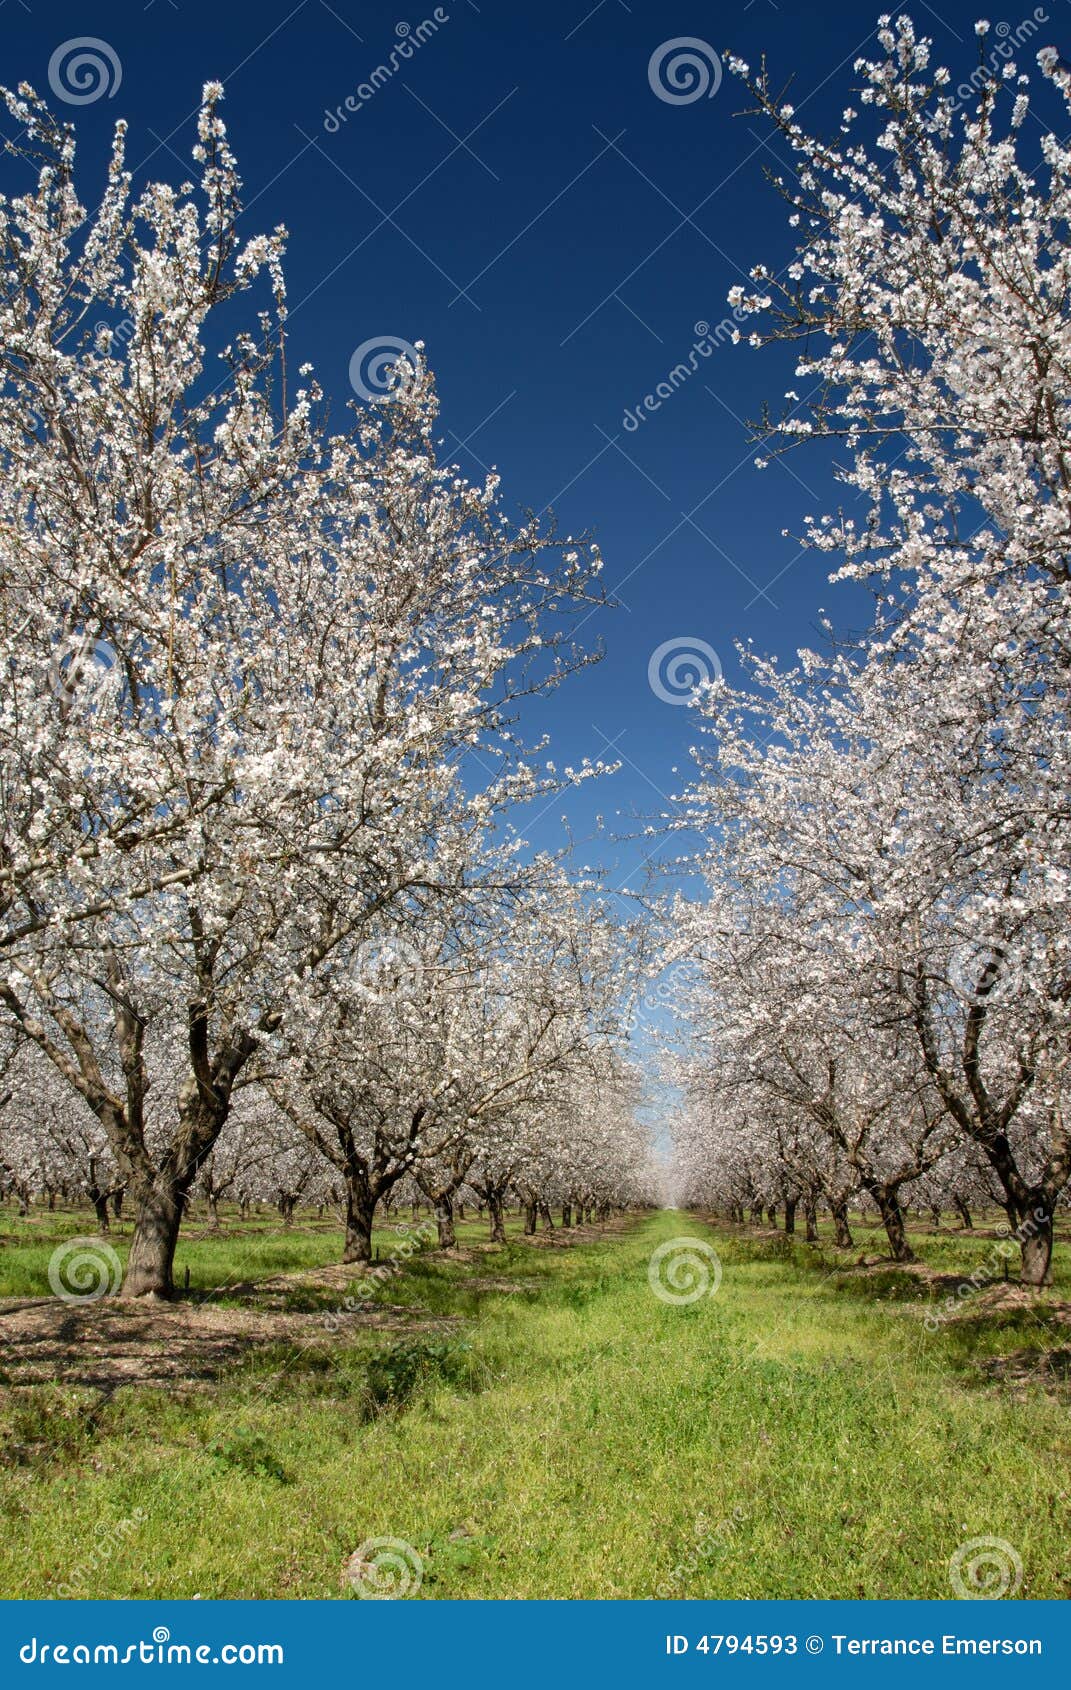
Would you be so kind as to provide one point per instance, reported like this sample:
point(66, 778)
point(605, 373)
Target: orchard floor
point(532, 1420)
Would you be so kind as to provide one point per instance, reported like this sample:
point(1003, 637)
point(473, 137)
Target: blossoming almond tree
point(453, 1046)
point(245, 662)
point(868, 910)
point(789, 1025)
point(930, 289)
point(918, 789)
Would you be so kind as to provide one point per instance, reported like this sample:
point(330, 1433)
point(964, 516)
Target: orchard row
point(878, 982)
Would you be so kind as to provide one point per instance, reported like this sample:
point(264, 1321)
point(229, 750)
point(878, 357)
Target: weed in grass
point(396, 1375)
point(48, 1426)
point(249, 1452)
point(452, 1556)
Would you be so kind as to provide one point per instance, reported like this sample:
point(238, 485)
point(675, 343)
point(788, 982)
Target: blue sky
point(516, 195)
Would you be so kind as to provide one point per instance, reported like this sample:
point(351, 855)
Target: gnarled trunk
point(810, 1215)
point(444, 1221)
point(960, 1205)
point(790, 1216)
point(1035, 1241)
point(567, 1214)
point(360, 1213)
point(151, 1263)
point(887, 1199)
point(529, 1219)
point(843, 1234)
point(498, 1222)
point(547, 1217)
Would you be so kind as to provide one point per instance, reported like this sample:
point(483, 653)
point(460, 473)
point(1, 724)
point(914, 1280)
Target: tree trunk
point(529, 1219)
point(444, 1221)
point(843, 1233)
point(960, 1205)
point(810, 1215)
point(497, 1217)
point(1035, 1241)
point(756, 1214)
point(548, 1219)
point(892, 1219)
point(150, 1265)
point(360, 1213)
point(567, 1214)
point(213, 1211)
point(790, 1216)
point(100, 1204)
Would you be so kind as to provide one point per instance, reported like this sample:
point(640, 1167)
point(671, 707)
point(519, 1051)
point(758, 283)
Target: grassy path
point(574, 1436)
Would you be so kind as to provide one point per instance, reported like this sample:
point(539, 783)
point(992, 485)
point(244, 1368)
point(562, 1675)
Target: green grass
point(799, 1434)
point(241, 1251)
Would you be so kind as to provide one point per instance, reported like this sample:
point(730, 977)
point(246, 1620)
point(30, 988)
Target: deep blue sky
point(518, 197)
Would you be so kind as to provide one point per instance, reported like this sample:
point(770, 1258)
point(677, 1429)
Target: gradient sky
point(518, 196)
